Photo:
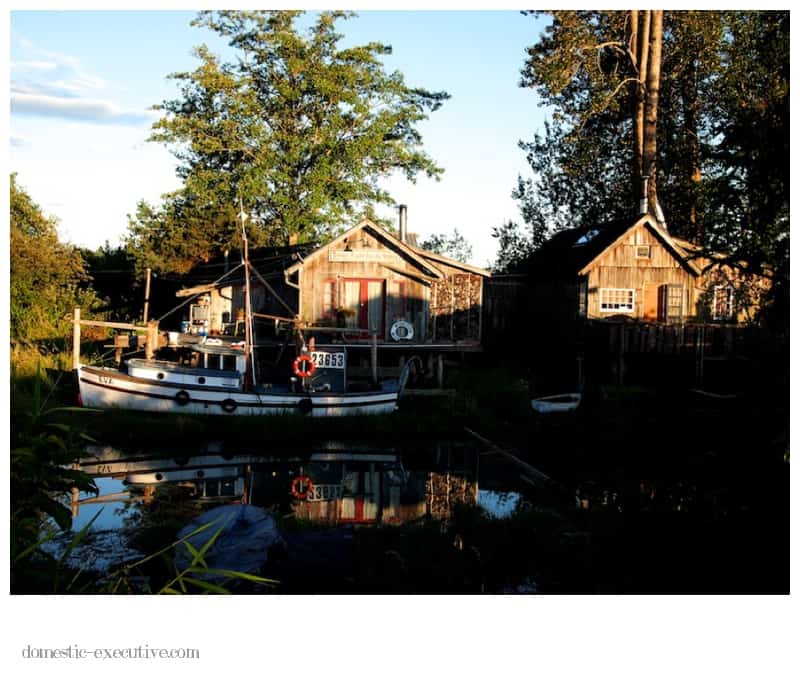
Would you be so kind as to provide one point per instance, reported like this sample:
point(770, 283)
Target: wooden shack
point(632, 268)
point(370, 293)
point(369, 279)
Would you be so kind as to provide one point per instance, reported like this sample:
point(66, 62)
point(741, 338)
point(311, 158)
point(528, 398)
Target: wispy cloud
point(51, 84)
point(76, 109)
point(35, 65)
point(16, 141)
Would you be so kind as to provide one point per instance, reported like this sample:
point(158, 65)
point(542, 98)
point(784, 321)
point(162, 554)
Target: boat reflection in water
point(332, 485)
point(338, 510)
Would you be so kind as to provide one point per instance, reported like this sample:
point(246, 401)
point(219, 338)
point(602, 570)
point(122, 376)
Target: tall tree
point(721, 143)
point(300, 128)
point(455, 245)
point(649, 142)
point(48, 277)
point(601, 71)
point(591, 68)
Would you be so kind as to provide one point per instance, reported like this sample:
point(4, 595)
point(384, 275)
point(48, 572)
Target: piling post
point(374, 358)
point(152, 339)
point(146, 294)
point(75, 493)
point(76, 338)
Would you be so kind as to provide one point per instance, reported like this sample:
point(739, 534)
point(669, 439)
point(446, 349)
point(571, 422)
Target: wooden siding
point(379, 262)
point(439, 309)
point(619, 268)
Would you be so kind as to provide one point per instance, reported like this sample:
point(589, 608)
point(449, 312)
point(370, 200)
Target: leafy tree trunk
point(649, 145)
point(640, 44)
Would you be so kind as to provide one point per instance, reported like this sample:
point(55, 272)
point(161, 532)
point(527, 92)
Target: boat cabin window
point(212, 361)
point(228, 362)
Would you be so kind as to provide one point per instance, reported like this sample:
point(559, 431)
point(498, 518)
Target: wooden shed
point(369, 279)
point(366, 279)
point(632, 268)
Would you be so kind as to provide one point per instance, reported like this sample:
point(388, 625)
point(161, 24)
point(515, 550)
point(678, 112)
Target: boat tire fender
point(229, 405)
point(182, 398)
point(305, 406)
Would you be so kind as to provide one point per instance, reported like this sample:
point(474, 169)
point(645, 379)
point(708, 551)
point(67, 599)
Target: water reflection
point(330, 485)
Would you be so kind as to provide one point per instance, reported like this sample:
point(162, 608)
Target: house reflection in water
point(350, 487)
point(333, 485)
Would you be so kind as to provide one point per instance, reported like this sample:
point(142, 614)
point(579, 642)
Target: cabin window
point(722, 306)
point(616, 299)
point(228, 362)
point(329, 299)
point(643, 252)
point(212, 361)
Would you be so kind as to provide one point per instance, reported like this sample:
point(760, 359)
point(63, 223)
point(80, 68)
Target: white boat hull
point(104, 388)
point(556, 403)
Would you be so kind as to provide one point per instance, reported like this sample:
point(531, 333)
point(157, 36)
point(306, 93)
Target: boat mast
point(249, 376)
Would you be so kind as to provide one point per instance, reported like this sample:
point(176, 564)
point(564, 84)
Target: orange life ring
point(296, 491)
point(307, 369)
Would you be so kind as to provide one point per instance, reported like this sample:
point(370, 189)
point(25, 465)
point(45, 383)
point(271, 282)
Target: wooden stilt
point(76, 338)
point(146, 294)
point(75, 502)
point(374, 358)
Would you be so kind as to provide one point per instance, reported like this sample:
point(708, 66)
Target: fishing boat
point(175, 389)
point(223, 381)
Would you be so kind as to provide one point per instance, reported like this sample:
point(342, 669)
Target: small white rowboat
point(556, 403)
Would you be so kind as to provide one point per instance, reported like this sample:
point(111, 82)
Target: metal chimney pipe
point(643, 201)
point(403, 223)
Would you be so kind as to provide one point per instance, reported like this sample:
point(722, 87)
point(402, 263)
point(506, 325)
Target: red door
point(364, 300)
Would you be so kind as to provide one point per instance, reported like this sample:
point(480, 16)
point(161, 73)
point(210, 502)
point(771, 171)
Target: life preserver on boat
point(229, 405)
point(296, 491)
point(182, 398)
point(304, 366)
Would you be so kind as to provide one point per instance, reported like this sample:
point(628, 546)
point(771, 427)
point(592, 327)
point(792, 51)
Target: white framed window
point(616, 299)
point(722, 305)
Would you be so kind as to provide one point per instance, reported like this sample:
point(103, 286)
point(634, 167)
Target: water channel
point(329, 502)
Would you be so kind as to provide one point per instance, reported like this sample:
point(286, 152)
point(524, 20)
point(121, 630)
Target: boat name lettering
point(105, 381)
point(328, 360)
point(321, 493)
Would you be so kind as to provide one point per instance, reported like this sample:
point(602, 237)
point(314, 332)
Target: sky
point(83, 82)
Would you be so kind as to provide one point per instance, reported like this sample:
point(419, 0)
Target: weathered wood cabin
point(367, 280)
point(636, 269)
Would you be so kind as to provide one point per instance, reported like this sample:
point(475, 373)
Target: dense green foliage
point(43, 450)
point(455, 245)
point(722, 166)
point(112, 270)
point(48, 278)
point(298, 128)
